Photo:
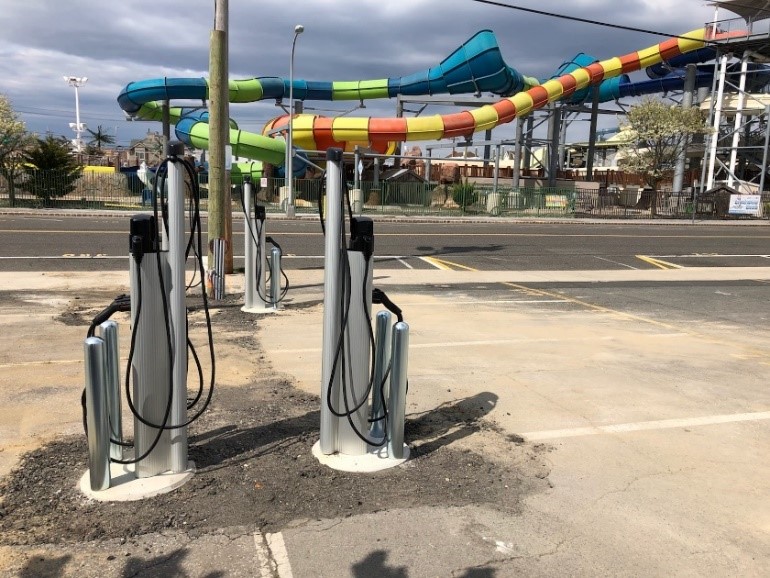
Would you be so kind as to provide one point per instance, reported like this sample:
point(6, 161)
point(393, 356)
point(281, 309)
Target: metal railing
point(122, 192)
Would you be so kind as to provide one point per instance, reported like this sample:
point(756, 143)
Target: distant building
point(147, 150)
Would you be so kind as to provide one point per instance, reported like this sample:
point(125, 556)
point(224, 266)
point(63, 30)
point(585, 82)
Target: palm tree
point(100, 137)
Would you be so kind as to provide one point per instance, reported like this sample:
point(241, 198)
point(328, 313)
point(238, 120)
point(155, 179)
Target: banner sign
point(745, 205)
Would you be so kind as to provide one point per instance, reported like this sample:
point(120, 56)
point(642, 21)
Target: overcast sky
point(113, 43)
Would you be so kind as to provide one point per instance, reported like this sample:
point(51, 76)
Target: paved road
point(92, 243)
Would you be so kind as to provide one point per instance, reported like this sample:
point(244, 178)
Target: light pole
point(298, 29)
point(77, 126)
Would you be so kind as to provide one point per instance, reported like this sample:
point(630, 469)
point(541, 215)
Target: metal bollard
point(275, 276)
point(382, 341)
point(397, 397)
point(109, 334)
point(97, 419)
point(250, 247)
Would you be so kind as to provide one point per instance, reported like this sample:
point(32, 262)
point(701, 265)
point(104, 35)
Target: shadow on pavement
point(430, 430)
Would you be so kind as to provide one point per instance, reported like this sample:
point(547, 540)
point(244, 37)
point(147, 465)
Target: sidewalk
point(238, 215)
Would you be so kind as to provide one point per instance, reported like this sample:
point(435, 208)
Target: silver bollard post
point(150, 364)
point(397, 397)
point(333, 289)
point(275, 276)
point(382, 337)
point(109, 334)
point(97, 419)
point(178, 307)
point(250, 247)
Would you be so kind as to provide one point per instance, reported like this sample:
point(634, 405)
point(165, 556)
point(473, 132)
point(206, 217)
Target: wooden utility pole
point(220, 210)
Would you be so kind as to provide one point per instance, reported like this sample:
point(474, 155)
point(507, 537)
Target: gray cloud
point(115, 43)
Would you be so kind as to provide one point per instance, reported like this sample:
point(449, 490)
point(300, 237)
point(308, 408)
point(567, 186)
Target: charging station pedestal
point(159, 363)
point(345, 442)
point(256, 297)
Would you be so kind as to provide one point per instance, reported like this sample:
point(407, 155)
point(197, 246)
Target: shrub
point(464, 194)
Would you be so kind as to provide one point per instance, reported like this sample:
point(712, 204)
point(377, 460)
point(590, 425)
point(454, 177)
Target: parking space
point(652, 411)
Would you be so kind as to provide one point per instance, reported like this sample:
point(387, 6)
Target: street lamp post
point(298, 29)
point(77, 126)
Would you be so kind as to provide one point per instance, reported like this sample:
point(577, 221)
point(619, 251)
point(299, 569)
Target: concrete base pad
point(374, 460)
point(126, 487)
point(259, 309)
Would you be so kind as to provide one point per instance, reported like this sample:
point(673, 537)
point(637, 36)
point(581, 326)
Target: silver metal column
point(765, 150)
point(250, 248)
point(109, 334)
point(738, 121)
point(517, 152)
point(150, 364)
point(275, 277)
point(397, 397)
point(687, 99)
point(497, 169)
point(382, 338)
point(333, 293)
point(592, 133)
point(97, 416)
point(554, 133)
point(714, 137)
point(528, 141)
point(178, 309)
point(356, 174)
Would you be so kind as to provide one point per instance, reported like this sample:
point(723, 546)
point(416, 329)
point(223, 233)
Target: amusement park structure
point(720, 67)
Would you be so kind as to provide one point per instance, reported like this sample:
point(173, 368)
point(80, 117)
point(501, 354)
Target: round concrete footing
point(126, 487)
point(259, 309)
point(374, 460)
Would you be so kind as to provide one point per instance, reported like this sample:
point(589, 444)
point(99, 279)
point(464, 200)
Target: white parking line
point(644, 426)
point(280, 555)
point(272, 557)
point(444, 344)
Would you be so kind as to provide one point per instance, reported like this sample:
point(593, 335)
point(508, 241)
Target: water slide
point(476, 66)
point(665, 77)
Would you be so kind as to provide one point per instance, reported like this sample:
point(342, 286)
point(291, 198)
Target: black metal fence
point(125, 192)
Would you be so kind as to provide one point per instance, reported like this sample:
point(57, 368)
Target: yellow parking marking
point(761, 353)
point(658, 263)
point(445, 265)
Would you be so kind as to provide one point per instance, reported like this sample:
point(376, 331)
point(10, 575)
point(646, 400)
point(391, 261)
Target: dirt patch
point(252, 450)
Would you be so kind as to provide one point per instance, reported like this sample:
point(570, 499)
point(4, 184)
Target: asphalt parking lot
point(630, 406)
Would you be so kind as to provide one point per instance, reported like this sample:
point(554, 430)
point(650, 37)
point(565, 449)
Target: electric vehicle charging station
point(158, 362)
point(347, 441)
point(258, 298)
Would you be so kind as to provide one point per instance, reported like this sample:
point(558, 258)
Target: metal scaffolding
point(739, 107)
